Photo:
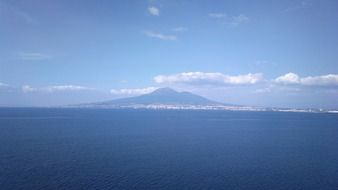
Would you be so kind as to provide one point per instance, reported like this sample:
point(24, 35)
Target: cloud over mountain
point(201, 78)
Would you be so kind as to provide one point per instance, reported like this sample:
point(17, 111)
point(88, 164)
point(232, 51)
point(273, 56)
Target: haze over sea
point(51, 148)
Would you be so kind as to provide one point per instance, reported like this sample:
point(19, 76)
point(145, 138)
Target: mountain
point(167, 98)
point(161, 96)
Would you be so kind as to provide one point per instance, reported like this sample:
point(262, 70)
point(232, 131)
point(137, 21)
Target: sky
point(258, 53)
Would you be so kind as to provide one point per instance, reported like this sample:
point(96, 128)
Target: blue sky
point(262, 53)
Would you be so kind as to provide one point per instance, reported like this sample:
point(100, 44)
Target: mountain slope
point(164, 96)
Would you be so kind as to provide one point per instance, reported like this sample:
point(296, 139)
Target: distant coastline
point(202, 107)
point(186, 107)
point(169, 99)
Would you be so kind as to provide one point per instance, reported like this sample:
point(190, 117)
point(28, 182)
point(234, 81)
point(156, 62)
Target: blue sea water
point(153, 150)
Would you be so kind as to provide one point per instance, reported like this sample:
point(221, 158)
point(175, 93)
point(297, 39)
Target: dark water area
point(153, 150)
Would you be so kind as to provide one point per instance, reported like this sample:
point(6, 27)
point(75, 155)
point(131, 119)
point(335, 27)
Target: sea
point(76, 149)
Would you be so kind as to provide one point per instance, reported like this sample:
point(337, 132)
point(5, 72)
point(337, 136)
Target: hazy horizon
point(266, 53)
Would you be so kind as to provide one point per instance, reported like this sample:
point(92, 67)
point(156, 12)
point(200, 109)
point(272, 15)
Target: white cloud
point(154, 11)
point(25, 16)
point(240, 18)
point(230, 20)
point(27, 88)
point(217, 15)
point(3, 84)
point(13, 12)
point(33, 56)
point(133, 91)
point(160, 36)
point(289, 78)
point(57, 88)
point(180, 29)
point(237, 20)
point(5, 87)
point(199, 78)
point(66, 88)
point(263, 90)
point(323, 80)
point(277, 89)
point(299, 6)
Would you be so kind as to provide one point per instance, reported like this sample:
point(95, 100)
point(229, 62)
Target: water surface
point(147, 149)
